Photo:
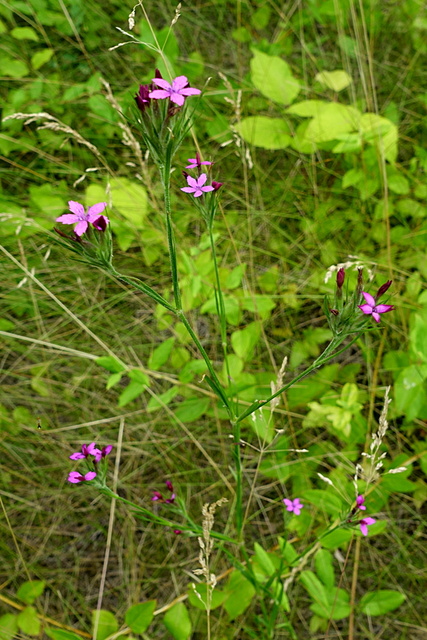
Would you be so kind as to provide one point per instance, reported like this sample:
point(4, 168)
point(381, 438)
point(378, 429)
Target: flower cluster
point(364, 523)
point(82, 218)
point(93, 456)
point(158, 496)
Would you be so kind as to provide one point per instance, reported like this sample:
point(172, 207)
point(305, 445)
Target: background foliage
point(315, 115)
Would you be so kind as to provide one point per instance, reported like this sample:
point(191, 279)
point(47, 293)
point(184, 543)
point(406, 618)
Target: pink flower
point(177, 91)
point(365, 523)
point(75, 477)
point(294, 506)
point(158, 497)
point(87, 450)
point(103, 453)
point(196, 185)
point(82, 218)
point(359, 503)
point(371, 308)
point(196, 163)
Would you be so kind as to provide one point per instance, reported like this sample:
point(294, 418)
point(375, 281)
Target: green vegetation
point(315, 117)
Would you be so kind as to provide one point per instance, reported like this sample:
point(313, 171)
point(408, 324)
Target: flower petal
point(164, 84)
point(177, 98)
point(198, 193)
point(190, 92)
point(202, 179)
point(68, 218)
point(75, 477)
point(77, 456)
point(193, 182)
point(80, 227)
point(95, 211)
point(188, 189)
point(208, 188)
point(159, 94)
point(366, 308)
point(77, 208)
point(90, 476)
point(376, 316)
point(369, 299)
point(179, 83)
point(369, 520)
point(383, 308)
point(364, 529)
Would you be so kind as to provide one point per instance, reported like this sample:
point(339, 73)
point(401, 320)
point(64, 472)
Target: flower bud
point(334, 312)
point(383, 288)
point(340, 278)
point(217, 185)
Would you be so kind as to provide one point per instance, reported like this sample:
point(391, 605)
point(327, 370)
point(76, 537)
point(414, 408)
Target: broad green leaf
point(338, 605)
point(324, 501)
point(260, 304)
point(113, 380)
point(307, 108)
point(239, 593)
point(100, 106)
point(110, 363)
point(397, 182)
point(244, 340)
point(24, 33)
point(8, 626)
point(31, 590)
point(333, 119)
point(352, 177)
point(265, 132)
point(232, 366)
point(410, 390)
point(380, 131)
point(325, 567)
point(132, 391)
point(28, 621)
point(105, 622)
point(163, 399)
point(377, 603)
point(336, 538)
point(12, 68)
point(349, 142)
point(61, 634)
point(264, 560)
point(139, 376)
point(273, 77)
point(217, 597)
point(417, 337)
point(161, 354)
point(41, 57)
point(192, 409)
point(139, 617)
point(177, 622)
point(314, 587)
point(127, 197)
point(335, 80)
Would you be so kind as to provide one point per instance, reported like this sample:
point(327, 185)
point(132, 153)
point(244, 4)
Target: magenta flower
point(82, 218)
point(87, 450)
point(196, 185)
point(383, 288)
point(216, 185)
point(371, 308)
point(365, 523)
point(196, 162)
point(75, 477)
point(359, 503)
point(103, 453)
point(158, 497)
point(177, 91)
point(294, 506)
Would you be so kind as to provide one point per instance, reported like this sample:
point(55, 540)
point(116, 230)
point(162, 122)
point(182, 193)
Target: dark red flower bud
point(157, 74)
point(100, 223)
point(334, 312)
point(177, 532)
point(185, 174)
point(217, 185)
point(340, 278)
point(383, 288)
point(141, 98)
point(169, 485)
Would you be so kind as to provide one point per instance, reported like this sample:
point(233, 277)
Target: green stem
point(322, 359)
point(141, 286)
point(239, 478)
point(165, 175)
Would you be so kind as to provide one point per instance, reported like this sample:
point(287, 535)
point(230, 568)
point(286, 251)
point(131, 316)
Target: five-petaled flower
point(82, 218)
point(103, 453)
point(195, 185)
point(365, 523)
point(177, 91)
point(196, 162)
point(76, 477)
point(87, 450)
point(359, 503)
point(372, 308)
point(294, 506)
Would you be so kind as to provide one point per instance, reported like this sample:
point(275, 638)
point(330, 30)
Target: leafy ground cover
point(314, 115)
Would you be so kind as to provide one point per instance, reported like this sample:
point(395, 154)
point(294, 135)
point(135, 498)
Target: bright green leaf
point(335, 80)
point(110, 363)
point(29, 622)
point(377, 603)
point(324, 501)
point(139, 617)
point(41, 57)
point(273, 77)
point(105, 622)
point(161, 354)
point(192, 409)
point(8, 626)
point(239, 593)
point(177, 622)
point(31, 590)
point(264, 132)
point(24, 33)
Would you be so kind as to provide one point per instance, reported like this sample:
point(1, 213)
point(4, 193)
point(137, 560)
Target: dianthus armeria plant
point(162, 115)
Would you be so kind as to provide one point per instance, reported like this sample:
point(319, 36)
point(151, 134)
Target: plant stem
point(322, 359)
point(165, 176)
